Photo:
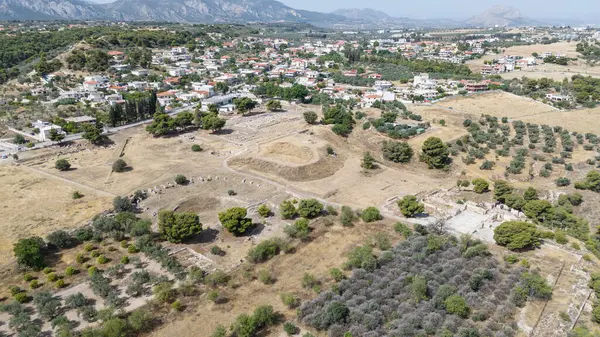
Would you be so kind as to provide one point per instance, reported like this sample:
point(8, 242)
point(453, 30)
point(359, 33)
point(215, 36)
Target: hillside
point(500, 16)
point(365, 14)
point(154, 10)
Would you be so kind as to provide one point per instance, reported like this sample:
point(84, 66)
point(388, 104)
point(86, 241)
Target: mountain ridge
point(240, 11)
point(155, 10)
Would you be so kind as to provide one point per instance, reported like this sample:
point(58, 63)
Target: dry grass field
point(584, 120)
point(37, 204)
point(497, 103)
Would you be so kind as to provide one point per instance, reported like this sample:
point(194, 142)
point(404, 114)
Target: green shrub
point(119, 166)
point(511, 259)
point(52, 277)
point(288, 210)
point(34, 284)
point(480, 186)
point(290, 328)
point(21, 297)
point(92, 270)
point(403, 229)
point(290, 300)
point(132, 249)
point(62, 165)
point(561, 237)
point(410, 206)
point(89, 247)
point(347, 217)
point(28, 277)
point(456, 304)
point(265, 277)
point(60, 284)
point(180, 179)
point(309, 281)
point(70, 271)
point(216, 250)
point(125, 259)
point(337, 274)
point(196, 148)
point(102, 259)
point(371, 214)
point(216, 278)
point(310, 208)
point(47, 270)
point(177, 306)
point(264, 211)
point(235, 221)
point(264, 251)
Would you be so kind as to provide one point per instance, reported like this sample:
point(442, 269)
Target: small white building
point(140, 72)
point(44, 130)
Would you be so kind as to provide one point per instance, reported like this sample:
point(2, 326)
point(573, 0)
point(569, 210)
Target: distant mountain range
point(238, 11)
point(160, 10)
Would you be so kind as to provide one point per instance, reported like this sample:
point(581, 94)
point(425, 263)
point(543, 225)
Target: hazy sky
point(458, 9)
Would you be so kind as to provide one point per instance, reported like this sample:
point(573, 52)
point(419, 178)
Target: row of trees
point(270, 89)
point(136, 108)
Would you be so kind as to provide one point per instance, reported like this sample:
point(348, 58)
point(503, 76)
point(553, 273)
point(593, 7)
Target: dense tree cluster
point(137, 107)
point(164, 124)
point(92, 60)
point(342, 120)
point(271, 89)
point(427, 285)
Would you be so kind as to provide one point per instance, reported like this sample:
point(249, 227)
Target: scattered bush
point(371, 214)
point(403, 229)
point(119, 166)
point(235, 221)
point(70, 271)
point(264, 251)
point(337, 274)
point(290, 328)
point(265, 277)
point(196, 148)
point(347, 217)
point(288, 209)
point(410, 206)
point(310, 208)
point(62, 165)
point(264, 211)
point(180, 179)
point(290, 300)
point(480, 186)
